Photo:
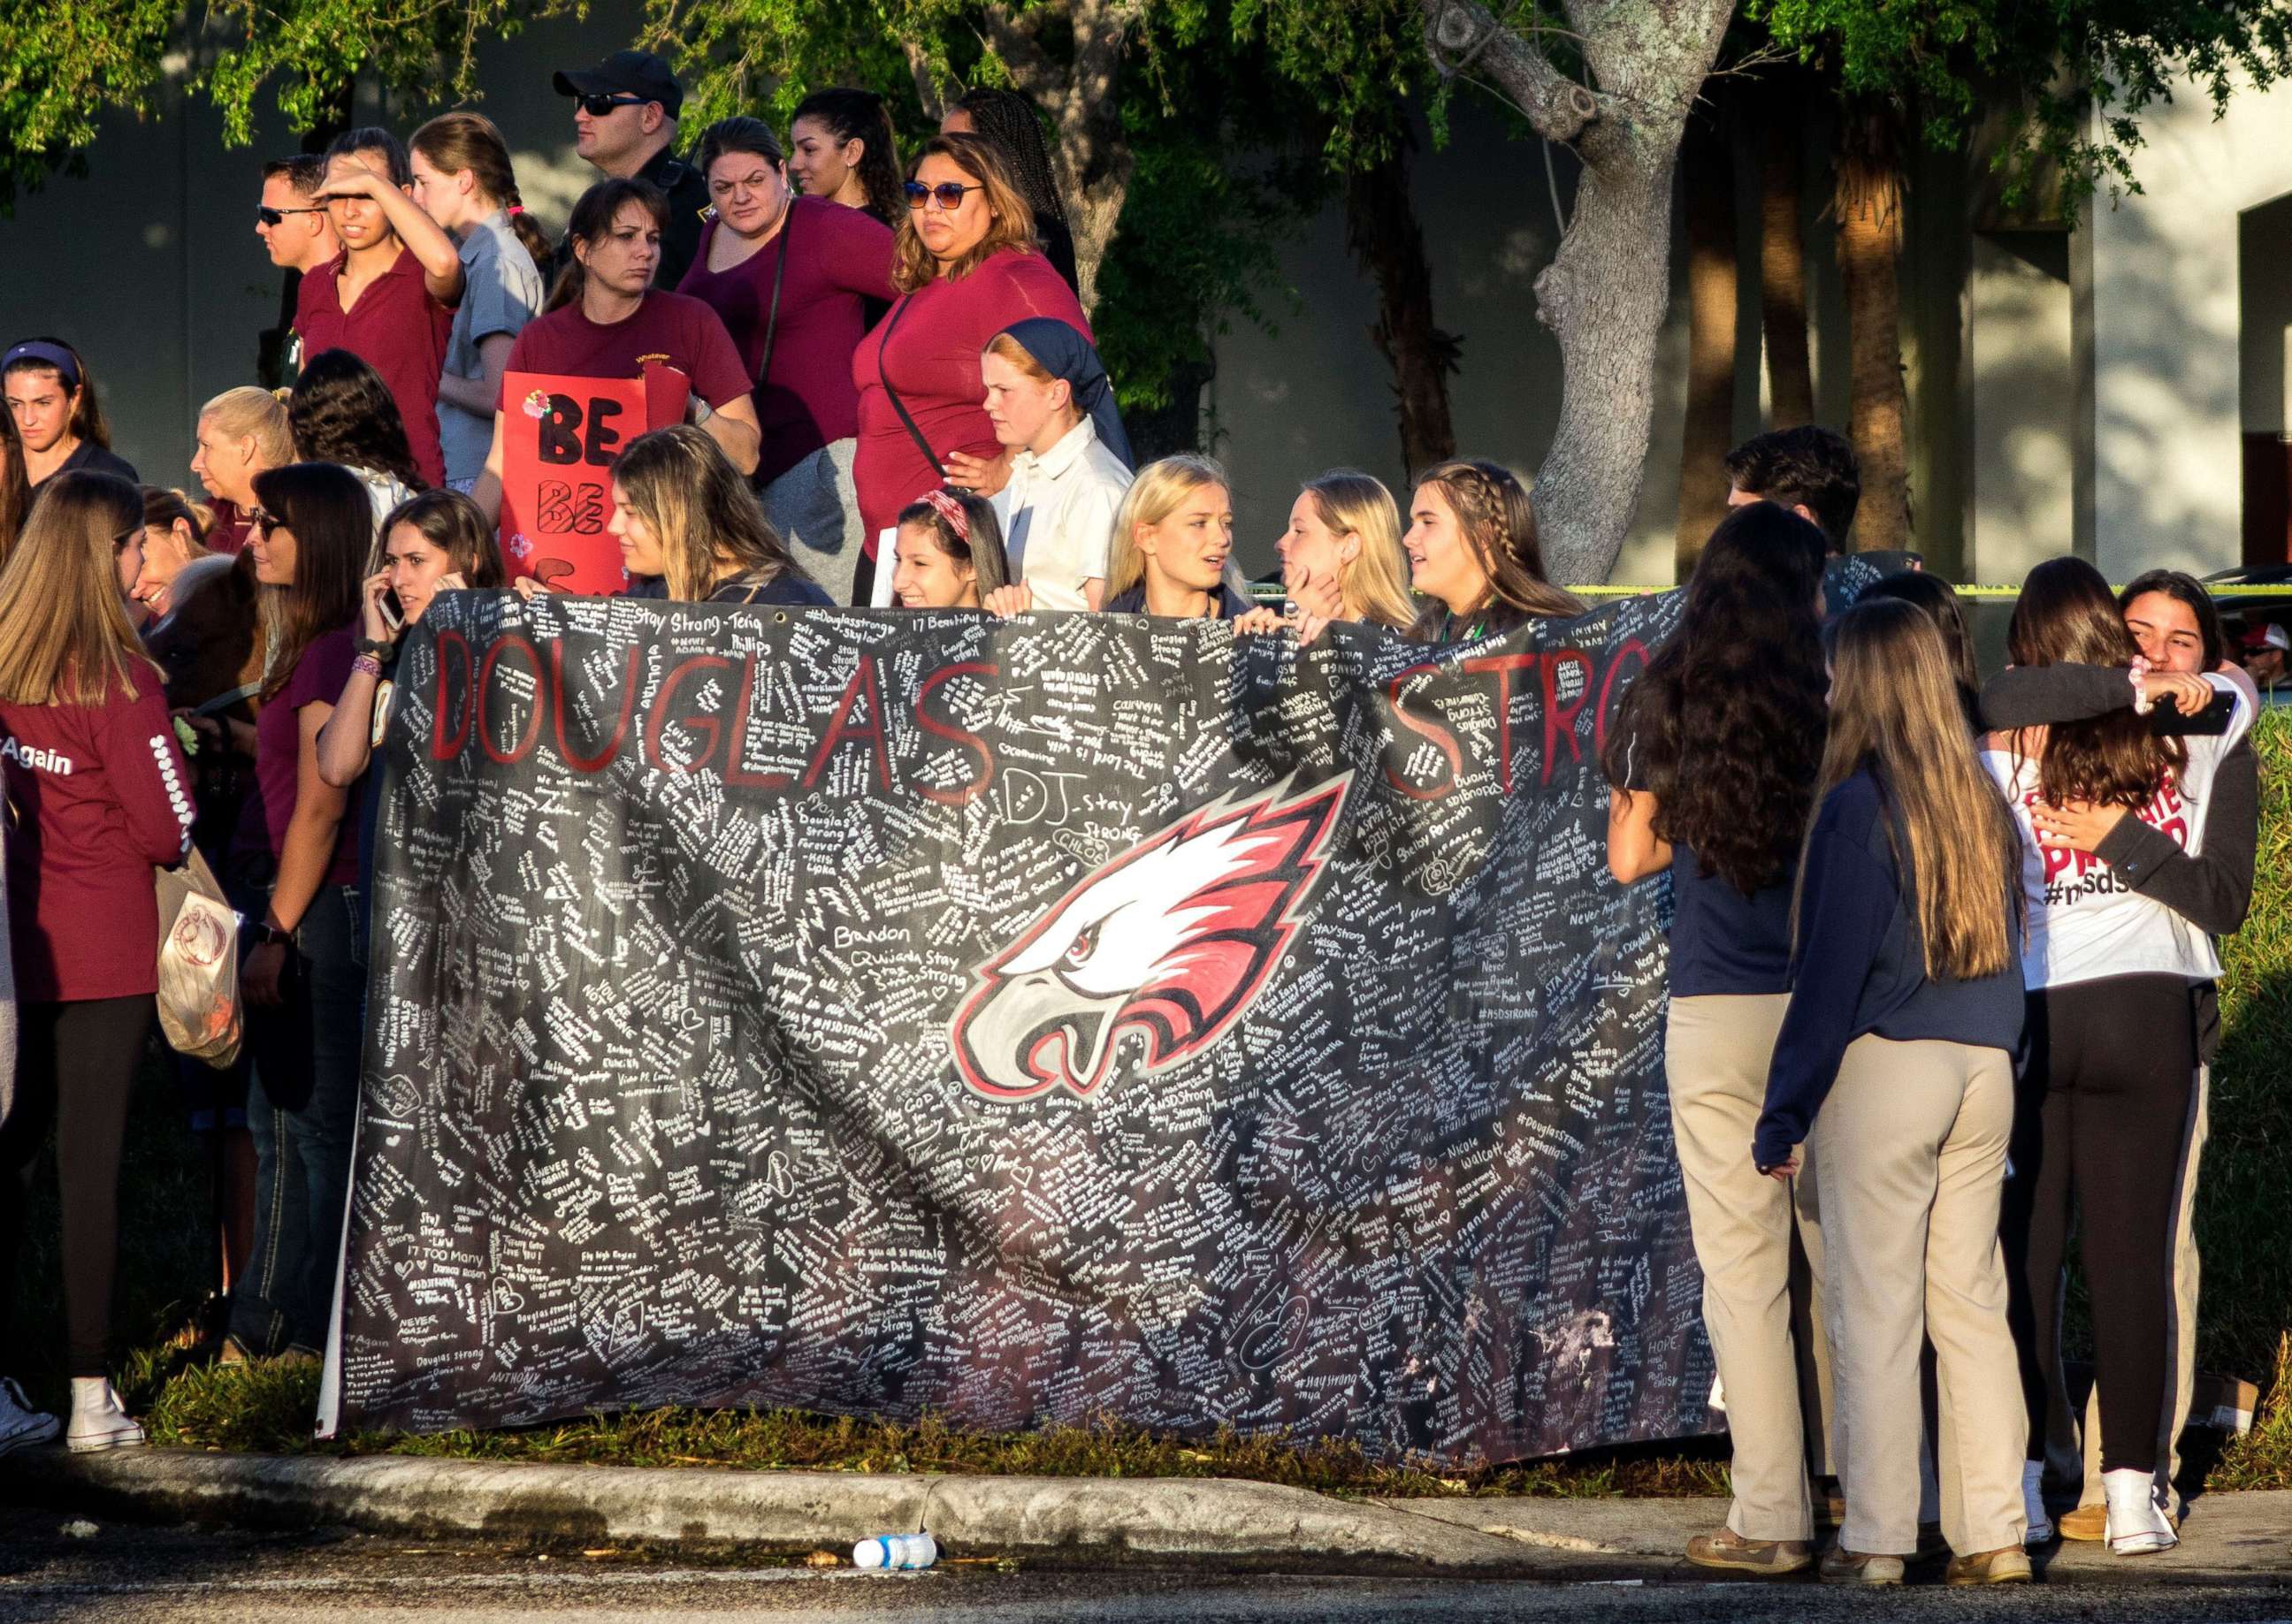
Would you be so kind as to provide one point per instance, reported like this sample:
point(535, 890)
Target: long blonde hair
point(64, 633)
point(700, 510)
point(1152, 497)
point(1894, 707)
point(1376, 584)
point(1010, 221)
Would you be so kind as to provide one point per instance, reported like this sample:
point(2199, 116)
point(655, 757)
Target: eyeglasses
point(598, 103)
point(948, 193)
point(259, 520)
point(270, 216)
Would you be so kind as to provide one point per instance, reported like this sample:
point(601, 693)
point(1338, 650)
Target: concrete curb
point(1219, 1522)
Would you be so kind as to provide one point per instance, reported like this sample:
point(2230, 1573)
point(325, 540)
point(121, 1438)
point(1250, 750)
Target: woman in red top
point(293, 871)
point(98, 793)
point(968, 267)
point(607, 320)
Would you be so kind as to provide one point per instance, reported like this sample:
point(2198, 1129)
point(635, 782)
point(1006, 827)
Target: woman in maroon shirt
point(98, 793)
point(789, 276)
point(968, 267)
point(293, 870)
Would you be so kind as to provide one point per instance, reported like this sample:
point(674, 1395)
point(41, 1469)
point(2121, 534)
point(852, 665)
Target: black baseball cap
point(626, 73)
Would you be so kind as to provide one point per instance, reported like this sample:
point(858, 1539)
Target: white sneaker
point(2040, 1531)
point(2137, 1523)
point(21, 1425)
point(99, 1422)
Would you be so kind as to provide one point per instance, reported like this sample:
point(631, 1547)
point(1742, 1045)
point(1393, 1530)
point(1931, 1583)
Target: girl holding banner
point(682, 514)
point(1473, 548)
point(950, 552)
point(613, 357)
point(1713, 769)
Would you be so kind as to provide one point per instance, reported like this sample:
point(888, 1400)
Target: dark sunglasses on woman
point(598, 103)
point(270, 216)
point(948, 193)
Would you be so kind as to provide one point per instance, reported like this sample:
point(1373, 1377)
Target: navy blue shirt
point(1224, 605)
point(1723, 943)
point(786, 589)
point(1860, 969)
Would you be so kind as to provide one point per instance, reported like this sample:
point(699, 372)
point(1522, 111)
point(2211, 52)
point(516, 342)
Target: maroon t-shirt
point(318, 679)
point(932, 357)
point(100, 794)
point(668, 329)
point(395, 327)
point(837, 259)
point(227, 533)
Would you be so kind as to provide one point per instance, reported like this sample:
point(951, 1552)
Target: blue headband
point(46, 355)
point(1065, 353)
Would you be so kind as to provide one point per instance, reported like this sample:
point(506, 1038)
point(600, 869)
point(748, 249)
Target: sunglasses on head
point(948, 194)
point(598, 103)
point(270, 216)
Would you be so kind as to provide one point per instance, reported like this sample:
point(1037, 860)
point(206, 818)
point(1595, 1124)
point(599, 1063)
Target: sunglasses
point(270, 216)
point(948, 194)
point(258, 520)
point(598, 103)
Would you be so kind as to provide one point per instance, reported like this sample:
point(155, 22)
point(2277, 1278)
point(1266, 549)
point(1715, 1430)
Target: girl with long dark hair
point(97, 794)
point(1010, 121)
point(59, 417)
point(2116, 981)
point(684, 516)
point(1713, 769)
point(843, 151)
point(950, 552)
point(1896, 1058)
point(343, 413)
point(1474, 550)
point(294, 870)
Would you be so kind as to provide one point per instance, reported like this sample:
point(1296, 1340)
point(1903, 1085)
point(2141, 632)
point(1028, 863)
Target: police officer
point(624, 113)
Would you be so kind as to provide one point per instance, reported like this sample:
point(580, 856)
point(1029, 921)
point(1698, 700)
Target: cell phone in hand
point(393, 613)
point(2166, 721)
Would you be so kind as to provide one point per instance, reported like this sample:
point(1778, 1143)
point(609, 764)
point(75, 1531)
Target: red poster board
point(560, 435)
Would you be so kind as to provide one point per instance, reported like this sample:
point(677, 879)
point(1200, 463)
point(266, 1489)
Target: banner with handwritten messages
point(560, 435)
point(1065, 1017)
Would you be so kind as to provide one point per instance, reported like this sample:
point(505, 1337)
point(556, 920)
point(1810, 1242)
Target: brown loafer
point(2008, 1565)
point(1840, 1566)
point(1729, 1550)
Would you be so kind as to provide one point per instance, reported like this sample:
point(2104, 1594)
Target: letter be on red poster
point(560, 435)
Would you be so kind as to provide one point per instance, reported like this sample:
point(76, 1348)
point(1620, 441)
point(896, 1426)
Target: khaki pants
point(1911, 1143)
point(1761, 1311)
point(2062, 1460)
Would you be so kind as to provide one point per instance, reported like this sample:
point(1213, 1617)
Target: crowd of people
point(1942, 980)
point(1943, 955)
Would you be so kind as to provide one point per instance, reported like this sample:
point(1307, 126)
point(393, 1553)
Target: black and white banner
point(1072, 1017)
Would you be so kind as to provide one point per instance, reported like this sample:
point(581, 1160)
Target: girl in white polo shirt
point(1049, 400)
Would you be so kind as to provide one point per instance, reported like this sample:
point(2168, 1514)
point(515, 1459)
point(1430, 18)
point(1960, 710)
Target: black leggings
point(2099, 1114)
point(75, 1068)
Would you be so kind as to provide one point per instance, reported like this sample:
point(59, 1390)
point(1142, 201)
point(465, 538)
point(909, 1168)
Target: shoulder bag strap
point(899, 406)
point(780, 274)
point(223, 701)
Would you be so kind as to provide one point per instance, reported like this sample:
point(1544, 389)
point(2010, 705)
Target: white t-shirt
point(1058, 516)
point(2083, 921)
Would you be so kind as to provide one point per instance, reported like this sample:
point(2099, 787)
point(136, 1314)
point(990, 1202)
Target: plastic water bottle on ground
point(888, 1552)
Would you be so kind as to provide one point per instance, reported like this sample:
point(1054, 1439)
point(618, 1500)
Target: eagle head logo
point(1173, 937)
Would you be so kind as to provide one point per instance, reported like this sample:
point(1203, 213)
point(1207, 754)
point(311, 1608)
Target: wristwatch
point(376, 648)
point(270, 936)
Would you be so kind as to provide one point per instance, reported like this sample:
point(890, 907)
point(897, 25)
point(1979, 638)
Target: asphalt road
point(123, 1574)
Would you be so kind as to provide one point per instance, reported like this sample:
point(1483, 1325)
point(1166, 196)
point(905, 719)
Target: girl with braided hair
point(1008, 119)
point(1473, 548)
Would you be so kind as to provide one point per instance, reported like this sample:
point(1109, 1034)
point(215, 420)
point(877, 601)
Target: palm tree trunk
point(1382, 229)
point(1782, 261)
point(1868, 203)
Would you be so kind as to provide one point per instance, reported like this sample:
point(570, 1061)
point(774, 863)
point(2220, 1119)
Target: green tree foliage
point(1952, 60)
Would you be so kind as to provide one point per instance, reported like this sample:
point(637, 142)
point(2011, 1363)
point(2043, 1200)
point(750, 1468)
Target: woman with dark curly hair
point(1008, 119)
point(342, 412)
point(1713, 769)
point(2116, 977)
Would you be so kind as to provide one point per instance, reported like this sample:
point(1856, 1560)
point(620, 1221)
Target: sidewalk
point(1200, 1523)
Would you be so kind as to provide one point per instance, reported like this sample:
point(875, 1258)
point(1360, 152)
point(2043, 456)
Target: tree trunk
point(1606, 292)
point(1782, 259)
point(1707, 178)
point(1868, 204)
point(1382, 229)
point(1091, 160)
